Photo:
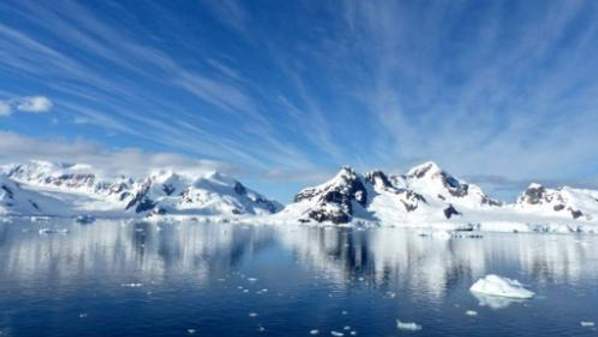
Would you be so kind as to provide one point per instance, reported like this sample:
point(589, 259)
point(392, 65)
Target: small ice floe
point(471, 313)
point(409, 326)
point(314, 332)
point(346, 327)
point(253, 314)
point(391, 294)
point(344, 312)
point(494, 285)
point(336, 333)
point(47, 231)
point(252, 279)
point(85, 219)
point(261, 328)
point(587, 324)
point(131, 285)
point(353, 333)
point(83, 315)
point(191, 331)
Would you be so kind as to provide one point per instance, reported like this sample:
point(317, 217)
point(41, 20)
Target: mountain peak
point(426, 169)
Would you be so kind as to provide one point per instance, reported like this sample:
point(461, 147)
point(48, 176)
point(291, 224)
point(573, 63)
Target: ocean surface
point(115, 278)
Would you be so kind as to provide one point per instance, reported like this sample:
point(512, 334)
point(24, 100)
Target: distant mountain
point(429, 196)
point(78, 189)
point(567, 202)
point(424, 193)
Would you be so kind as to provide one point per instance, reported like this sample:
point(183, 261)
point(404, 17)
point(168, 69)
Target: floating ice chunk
point(191, 331)
point(314, 332)
point(46, 231)
point(83, 315)
point(252, 279)
point(253, 314)
point(347, 327)
point(495, 302)
point(353, 333)
point(344, 312)
point(410, 326)
point(261, 328)
point(471, 313)
point(587, 324)
point(495, 285)
point(336, 333)
point(132, 285)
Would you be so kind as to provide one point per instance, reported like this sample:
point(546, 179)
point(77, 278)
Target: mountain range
point(425, 195)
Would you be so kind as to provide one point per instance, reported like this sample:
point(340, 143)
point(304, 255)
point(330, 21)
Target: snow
point(410, 326)
point(495, 285)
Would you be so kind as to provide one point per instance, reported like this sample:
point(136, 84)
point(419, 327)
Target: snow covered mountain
point(425, 193)
point(566, 202)
point(76, 189)
point(429, 196)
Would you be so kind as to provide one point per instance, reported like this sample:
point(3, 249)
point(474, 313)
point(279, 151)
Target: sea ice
point(411, 326)
point(131, 285)
point(495, 285)
point(314, 332)
point(191, 331)
point(587, 324)
point(336, 333)
point(471, 313)
point(253, 314)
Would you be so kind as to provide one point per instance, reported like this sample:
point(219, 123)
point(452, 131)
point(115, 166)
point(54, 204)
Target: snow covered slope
point(14, 200)
point(77, 189)
point(427, 196)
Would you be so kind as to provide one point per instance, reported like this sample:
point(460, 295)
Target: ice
point(471, 313)
point(253, 314)
point(346, 327)
point(314, 332)
point(83, 315)
point(495, 285)
point(131, 285)
point(336, 333)
point(410, 326)
point(354, 333)
point(191, 331)
point(587, 324)
point(495, 302)
point(46, 231)
point(252, 279)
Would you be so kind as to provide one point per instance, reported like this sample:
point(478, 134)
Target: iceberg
point(494, 285)
point(410, 326)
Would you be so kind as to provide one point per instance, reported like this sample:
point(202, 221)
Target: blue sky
point(281, 93)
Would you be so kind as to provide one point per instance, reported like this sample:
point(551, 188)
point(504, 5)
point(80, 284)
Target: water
point(116, 279)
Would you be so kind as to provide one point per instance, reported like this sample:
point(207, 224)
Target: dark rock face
point(8, 191)
point(141, 202)
point(536, 195)
point(451, 211)
point(335, 202)
point(240, 189)
point(575, 213)
point(454, 187)
point(168, 189)
point(378, 178)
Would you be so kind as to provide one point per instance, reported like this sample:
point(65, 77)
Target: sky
point(281, 93)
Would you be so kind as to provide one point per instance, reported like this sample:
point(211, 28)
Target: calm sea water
point(116, 279)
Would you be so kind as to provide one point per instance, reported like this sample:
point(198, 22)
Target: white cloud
point(5, 109)
point(16, 148)
point(34, 104)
